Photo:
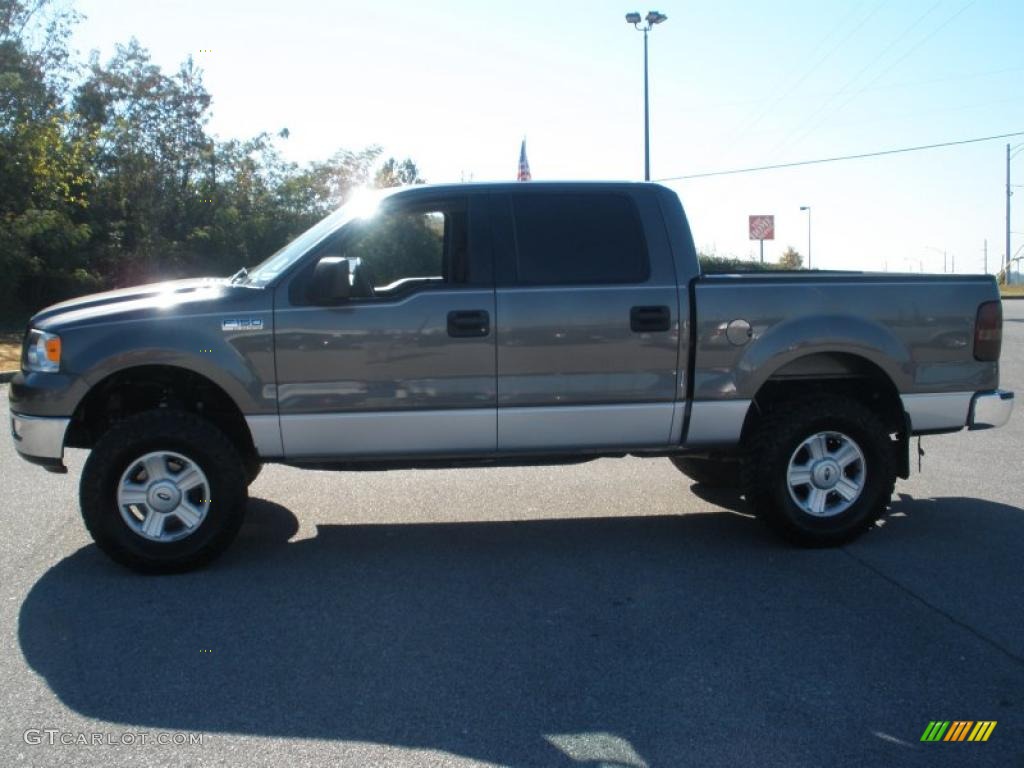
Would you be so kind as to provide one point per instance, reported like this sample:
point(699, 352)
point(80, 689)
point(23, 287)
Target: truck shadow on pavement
point(694, 639)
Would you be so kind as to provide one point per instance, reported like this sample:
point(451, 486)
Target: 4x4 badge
point(242, 324)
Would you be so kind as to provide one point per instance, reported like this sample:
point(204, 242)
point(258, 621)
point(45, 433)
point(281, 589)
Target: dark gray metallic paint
point(917, 329)
point(572, 344)
point(394, 355)
point(175, 324)
point(549, 347)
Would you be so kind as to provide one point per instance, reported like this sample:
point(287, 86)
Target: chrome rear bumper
point(990, 409)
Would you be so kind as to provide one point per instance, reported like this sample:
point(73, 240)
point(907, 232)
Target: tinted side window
point(578, 238)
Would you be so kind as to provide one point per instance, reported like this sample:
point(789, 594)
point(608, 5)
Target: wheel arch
point(840, 373)
point(135, 389)
point(824, 346)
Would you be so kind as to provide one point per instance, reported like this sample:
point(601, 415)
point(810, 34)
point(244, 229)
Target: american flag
point(524, 164)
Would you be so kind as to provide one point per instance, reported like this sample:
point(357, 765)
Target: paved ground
point(595, 615)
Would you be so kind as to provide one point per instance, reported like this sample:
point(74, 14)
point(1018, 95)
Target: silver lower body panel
point(556, 428)
point(389, 433)
point(716, 422)
point(935, 411)
point(39, 436)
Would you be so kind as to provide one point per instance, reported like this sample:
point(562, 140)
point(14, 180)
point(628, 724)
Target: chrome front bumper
point(39, 438)
point(990, 409)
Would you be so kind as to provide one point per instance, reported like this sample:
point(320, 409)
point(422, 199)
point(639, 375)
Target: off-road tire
point(772, 444)
point(163, 430)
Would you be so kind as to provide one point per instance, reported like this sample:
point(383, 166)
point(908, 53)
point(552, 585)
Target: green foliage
point(109, 176)
point(396, 246)
point(395, 174)
point(791, 259)
point(43, 172)
point(711, 263)
point(714, 264)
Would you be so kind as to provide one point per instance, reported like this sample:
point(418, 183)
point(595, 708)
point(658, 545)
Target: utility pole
point(1009, 193)
point(808, 209)
point(986, 255)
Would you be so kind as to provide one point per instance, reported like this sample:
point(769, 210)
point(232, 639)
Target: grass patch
point(10, 351)
point(1011, 290)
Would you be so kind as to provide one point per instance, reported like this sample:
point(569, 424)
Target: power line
point(890, 67)
point(706, 106)
point(852, 81)
point(860, 156)
point(751, 123)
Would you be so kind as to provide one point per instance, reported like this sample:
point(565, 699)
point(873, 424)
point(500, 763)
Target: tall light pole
point(652, 18)
point(808, 209)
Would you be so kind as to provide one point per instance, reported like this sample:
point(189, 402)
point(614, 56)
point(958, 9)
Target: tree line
point(110, 176)
point(711, 262)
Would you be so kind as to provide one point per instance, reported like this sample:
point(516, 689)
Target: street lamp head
point(805, 207)
point(654, 17)
point(633, 18)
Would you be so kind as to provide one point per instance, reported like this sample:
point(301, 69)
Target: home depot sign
point(762, 227)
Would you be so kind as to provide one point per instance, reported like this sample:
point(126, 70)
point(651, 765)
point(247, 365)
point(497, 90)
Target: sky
point(456, 85)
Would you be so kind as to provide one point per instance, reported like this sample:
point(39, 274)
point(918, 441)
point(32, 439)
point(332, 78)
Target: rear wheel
point(163, 491)
point(714, 473)
point(820, 472)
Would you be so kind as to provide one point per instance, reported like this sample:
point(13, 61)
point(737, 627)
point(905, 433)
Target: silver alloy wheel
point(826, 474)
point(163, 496)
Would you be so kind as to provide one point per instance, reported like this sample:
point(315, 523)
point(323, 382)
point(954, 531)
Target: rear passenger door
point(587, 321)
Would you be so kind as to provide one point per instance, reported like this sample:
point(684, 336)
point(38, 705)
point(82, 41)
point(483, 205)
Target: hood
point(173, 297)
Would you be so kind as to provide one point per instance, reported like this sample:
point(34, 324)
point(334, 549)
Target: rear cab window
point(578, 239)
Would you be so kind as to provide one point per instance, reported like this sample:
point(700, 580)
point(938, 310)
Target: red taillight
point(988, 331)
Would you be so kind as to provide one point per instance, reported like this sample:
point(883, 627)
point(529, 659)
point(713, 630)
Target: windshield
point(361, 206)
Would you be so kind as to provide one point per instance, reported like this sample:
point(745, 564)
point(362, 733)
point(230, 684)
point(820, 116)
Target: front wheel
point(163, 491)
point(820, 472)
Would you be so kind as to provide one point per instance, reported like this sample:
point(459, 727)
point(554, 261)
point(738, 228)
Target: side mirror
point(332, 280)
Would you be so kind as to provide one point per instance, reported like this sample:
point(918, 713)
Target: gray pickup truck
point(485, 324)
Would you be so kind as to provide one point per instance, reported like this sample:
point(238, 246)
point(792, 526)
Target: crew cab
point(482, 324)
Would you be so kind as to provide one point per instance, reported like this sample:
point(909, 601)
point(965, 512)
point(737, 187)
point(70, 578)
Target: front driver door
point(406, 365)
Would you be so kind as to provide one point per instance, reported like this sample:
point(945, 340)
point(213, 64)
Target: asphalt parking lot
point(598, 615)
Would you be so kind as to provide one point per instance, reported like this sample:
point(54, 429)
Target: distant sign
point(762, 227)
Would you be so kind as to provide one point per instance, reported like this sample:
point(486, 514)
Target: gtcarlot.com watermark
point(55, 737)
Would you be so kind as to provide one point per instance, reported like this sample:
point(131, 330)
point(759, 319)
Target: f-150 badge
point(242, 324)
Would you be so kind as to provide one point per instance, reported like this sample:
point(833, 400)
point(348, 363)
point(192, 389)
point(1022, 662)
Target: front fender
point(240, 362)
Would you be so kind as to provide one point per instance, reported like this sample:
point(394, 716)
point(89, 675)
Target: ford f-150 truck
point(484, 324)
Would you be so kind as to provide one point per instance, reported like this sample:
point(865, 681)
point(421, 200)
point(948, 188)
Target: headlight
point(42, 352)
